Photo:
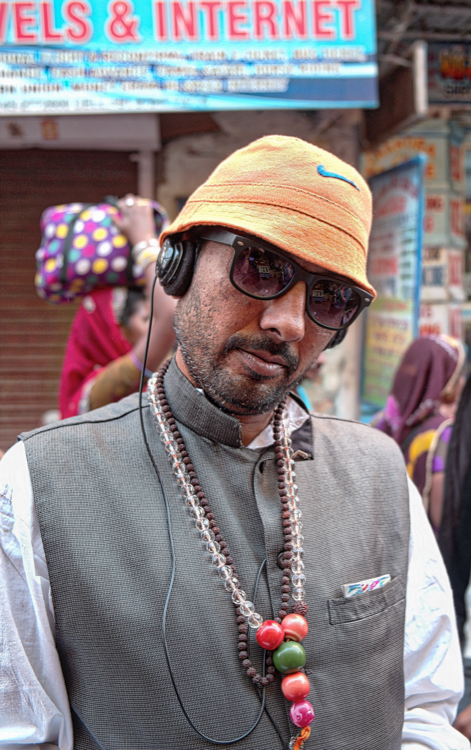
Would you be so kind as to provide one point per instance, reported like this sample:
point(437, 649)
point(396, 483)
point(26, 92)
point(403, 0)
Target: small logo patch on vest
point(324, 173)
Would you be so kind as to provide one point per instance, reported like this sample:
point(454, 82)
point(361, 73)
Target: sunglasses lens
point(333, 304)
point(261, 273)
point(264, 274)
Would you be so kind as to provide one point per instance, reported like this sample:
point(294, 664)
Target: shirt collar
point(296, 416)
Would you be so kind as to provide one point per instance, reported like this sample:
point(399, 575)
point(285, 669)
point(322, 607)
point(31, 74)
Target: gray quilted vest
point(106, 540)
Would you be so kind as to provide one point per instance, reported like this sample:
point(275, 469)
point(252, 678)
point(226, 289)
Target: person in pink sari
point(105, 349)
point(419, 413)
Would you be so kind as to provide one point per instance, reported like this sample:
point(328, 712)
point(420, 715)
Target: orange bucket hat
point(294, 195)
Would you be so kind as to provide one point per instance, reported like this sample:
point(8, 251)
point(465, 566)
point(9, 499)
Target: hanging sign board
point(71, 56)
point(394, 269)
point(449, 73)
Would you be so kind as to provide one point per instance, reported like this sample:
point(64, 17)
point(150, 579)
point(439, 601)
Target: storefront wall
point(443, 143)
point(34, 333)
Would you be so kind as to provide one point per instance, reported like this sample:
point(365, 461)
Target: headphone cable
point(260, 693)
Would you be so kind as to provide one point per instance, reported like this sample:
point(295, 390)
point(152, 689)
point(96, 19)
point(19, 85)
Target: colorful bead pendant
point(270, 635)
point(295, 686)
point(289, 657)
point(295, 627)
point(301, 714)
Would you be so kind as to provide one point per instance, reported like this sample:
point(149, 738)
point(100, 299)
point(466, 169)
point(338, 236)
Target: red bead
point(295, 686)
point(295, 627)
point(301, 714)
point(269, 635)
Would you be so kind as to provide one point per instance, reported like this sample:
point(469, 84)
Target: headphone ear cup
point(175, 266)
point(337, 339)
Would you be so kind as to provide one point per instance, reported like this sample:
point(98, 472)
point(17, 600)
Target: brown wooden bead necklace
point(293, 579)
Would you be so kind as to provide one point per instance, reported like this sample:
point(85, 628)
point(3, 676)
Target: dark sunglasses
point(263, 273)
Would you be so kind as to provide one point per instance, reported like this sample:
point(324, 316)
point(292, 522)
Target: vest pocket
point(365, 605)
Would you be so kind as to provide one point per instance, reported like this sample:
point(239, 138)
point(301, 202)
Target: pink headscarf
point(429, 370)
point(95, 340)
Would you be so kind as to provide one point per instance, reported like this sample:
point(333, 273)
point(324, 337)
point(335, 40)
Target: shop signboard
point(394, 269)
point(455, 275)
point(442, 318)
point(70, 56)
point(433, 319)
point(442, 275)
point(457, 163)
point(444, 219)
point(436, 218)
point(457, 235)
point(449, 73)
point(434, 274)
point(406, 146)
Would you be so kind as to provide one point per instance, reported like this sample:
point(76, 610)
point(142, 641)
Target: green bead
point(289, 657)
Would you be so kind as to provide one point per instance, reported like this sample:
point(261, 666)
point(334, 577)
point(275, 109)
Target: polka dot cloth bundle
point(82, 249)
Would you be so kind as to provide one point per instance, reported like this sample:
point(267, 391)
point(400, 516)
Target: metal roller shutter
point(33, 333)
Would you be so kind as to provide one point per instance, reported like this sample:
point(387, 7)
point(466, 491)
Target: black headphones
point(175, 267)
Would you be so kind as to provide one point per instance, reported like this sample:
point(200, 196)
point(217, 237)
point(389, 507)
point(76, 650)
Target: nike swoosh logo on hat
point(324, 173)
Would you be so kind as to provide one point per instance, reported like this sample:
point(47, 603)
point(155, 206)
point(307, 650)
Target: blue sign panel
point(88, 56)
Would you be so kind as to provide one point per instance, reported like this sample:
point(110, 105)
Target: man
point(144, 647)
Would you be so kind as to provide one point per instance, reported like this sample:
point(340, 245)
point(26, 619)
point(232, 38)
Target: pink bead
point(295, 627)
point(301, 714)
point(295, 686)
point(270, 635)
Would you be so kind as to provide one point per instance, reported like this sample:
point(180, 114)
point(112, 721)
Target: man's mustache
point(264, 344)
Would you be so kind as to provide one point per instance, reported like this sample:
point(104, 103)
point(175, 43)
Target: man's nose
point(285, 316)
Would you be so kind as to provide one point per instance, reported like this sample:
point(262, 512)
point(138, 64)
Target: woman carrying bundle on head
point(105, 350)
point(420, 410)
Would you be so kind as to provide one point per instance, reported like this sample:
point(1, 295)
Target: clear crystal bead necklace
point(283, 635)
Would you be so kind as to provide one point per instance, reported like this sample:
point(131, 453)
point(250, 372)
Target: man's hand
point(463, 722)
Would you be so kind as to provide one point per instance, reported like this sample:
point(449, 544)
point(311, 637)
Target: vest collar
point(191, 407)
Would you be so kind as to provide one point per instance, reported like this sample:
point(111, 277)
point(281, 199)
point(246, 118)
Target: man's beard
point(235, 394)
